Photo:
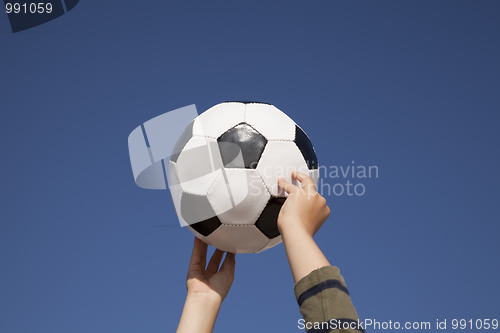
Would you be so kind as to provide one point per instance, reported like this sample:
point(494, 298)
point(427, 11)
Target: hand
point(300, 217)
point(211, 280)
point(207, 288)
point(304, 208)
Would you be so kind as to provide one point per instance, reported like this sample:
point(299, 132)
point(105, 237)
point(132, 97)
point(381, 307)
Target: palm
point(211, 279)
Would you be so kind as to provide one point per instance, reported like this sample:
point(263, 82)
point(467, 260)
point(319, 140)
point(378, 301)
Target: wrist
point(303, 253)
point(200, 312)
point(203, 297)
point(294, 227)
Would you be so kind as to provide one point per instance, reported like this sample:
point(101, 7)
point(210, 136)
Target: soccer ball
point(223, 174)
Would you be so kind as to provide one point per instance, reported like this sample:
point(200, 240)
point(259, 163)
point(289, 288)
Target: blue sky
point(411, 87)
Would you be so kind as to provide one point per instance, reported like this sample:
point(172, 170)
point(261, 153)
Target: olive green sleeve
point(323, 298)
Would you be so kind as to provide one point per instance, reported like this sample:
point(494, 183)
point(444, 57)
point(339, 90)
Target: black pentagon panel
point(306, 148)
point(247, 102)
point(268, 219)
point(183, 139)
point(207, 227)
point(198, 213)
point(250, 142)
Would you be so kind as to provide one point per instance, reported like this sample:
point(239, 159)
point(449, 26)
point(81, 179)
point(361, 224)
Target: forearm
point(199, 313)
point(302, 252)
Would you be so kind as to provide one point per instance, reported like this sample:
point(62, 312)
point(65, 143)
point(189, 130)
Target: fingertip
point(229, 263)
point(282, 182)
point(297, 174)
point(231, 257)
point(201, 244)
point(217, 251)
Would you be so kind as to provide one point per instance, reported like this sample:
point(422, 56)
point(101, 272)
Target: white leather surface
point(175, 188)
point(220, 195)
point(272, 123)
point(249, 195)
point(279, 159)
point(200, 185)
point(314, 174)
point(272, 243)
point(218, 119)
point(195, 165)
point(238, 239)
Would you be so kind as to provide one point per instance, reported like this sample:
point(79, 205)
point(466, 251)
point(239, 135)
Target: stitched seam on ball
point(214, 231)
point(262, 209)
point(260, 213)
point(262, 178)
point(205, 136)
point(206, 194)
point(271, 196)
point(220, 173)
point(269, 241)
point(237, 224)
point(230, 127)
point(302, 131)
point(176, 173)
point(200, 236)
point(195, 194)
point(240, 225)
point(256, 130)
point(227, 129)
point(295, 147)
point(210, 202)
point(263, 233)
point(179, 215)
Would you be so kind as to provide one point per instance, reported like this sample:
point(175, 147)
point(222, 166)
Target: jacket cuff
point(316, 277)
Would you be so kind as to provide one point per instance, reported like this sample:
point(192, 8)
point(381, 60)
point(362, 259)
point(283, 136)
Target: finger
point(199, 255)
point(213, 265)
point(289, 188)
point(307, 182)
point(228, 264)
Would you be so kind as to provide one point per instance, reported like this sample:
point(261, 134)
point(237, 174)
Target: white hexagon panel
point(272, 123)
point(238, 196)
point(198, 165)
point(218, 119)
point(238, 239)
point(279, 159)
